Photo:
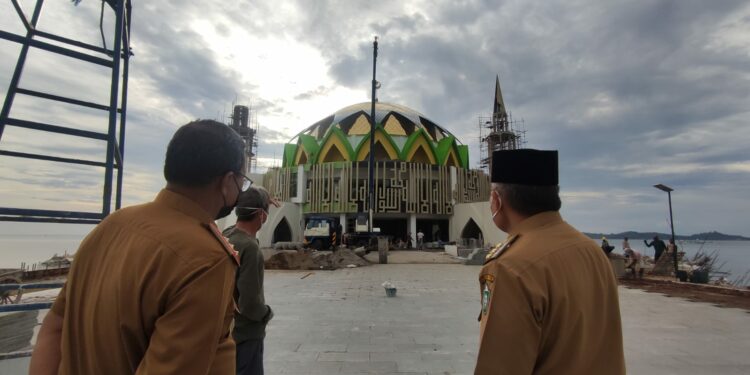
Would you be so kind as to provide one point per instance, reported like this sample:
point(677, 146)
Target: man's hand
point(275, 201)
point(269, 315)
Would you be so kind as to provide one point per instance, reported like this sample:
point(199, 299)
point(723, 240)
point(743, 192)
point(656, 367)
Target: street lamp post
point(382, 253)
point(669, 191)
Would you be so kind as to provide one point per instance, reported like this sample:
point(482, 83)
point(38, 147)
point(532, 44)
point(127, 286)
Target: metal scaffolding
point(117, 59)
point(245, 123)
point(498, 132)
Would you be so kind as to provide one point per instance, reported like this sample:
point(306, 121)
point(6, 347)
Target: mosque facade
point(422, 179)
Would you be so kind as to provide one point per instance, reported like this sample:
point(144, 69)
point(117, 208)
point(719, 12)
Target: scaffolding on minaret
point(499, 131)
point(245, 123)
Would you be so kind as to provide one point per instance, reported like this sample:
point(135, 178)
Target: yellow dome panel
point(393, 126)
point(361, 126)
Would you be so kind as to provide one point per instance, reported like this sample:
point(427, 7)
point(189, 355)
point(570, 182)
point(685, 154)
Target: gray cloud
point(631, 93)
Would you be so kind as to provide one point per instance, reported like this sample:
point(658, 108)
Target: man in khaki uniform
point(549, 300)
point(151, 287)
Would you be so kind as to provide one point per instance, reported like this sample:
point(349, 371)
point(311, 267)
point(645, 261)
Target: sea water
point(33, 248)
point(733, 256)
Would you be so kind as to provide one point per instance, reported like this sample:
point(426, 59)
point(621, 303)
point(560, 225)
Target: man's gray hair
point(251, 202)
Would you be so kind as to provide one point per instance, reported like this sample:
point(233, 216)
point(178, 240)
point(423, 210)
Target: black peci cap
point(525, 167)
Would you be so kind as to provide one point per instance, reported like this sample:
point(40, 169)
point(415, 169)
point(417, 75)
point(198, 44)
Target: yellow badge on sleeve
point(500, 248)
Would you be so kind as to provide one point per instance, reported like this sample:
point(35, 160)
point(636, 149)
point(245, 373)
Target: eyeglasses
point(246, 182)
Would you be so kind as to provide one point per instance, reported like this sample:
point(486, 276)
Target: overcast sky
point(631, 93)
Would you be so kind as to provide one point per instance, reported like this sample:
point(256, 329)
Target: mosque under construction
point(423, 181)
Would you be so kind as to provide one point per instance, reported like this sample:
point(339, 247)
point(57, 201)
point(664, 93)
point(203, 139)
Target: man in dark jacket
point(658, 245)
point(252, 313)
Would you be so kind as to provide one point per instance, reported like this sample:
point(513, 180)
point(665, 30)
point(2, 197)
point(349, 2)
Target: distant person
point(549, 301)
point(625, 244)
point(151, 287)
point(606, 247)
point(409, 241)
point(252, 314)
point(420, 240)
point(5, 295)
point(634, 263)
point(658, 245)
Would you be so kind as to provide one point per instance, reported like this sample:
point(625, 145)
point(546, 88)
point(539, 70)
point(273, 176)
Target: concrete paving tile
point(422, 366)
point(368, 348)
point(323, 368)
point(287, 356)
point(417, 348)
point(388, 357)
point(321, 347)
point(344, 357)
point(368, 367)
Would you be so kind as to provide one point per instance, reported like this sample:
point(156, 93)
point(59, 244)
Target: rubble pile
point(288, 246)
point(342, 258)
point(315, 260)
point(290, 260)
point(477, 257)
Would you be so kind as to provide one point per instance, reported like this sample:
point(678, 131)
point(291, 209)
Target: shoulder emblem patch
point(500, 248)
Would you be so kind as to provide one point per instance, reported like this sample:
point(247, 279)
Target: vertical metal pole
point(113, 102)
point(371, 164)
point(671, 224)
point(123, 109)
point(11, 94)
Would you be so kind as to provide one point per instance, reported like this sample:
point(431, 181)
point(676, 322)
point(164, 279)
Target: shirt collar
point(183, 204)
point(537, 221)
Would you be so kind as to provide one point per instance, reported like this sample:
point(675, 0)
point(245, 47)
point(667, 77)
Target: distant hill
point(707, 236)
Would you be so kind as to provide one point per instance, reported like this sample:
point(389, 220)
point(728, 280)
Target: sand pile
point(315, 260)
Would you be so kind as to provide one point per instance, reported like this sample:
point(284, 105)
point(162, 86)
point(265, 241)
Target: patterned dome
point(401, 134)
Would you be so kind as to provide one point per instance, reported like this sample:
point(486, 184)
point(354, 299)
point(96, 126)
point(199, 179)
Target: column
point(342, 221)
point(301, 185)
point(413, 230)
point(454, 183)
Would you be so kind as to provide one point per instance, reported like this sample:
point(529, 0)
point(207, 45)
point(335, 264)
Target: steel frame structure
point(115, 135)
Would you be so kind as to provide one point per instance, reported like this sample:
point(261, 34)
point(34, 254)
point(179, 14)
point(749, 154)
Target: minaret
point(501, 134)
point(499, 105)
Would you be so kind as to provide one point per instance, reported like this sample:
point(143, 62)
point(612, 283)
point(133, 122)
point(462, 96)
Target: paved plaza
point(341, 322)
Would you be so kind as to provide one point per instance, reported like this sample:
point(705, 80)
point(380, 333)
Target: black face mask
point(226, 210)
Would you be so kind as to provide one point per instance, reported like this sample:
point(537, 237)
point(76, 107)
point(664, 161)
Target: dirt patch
point(315, 260)
point(723, 297)
point(290, 260)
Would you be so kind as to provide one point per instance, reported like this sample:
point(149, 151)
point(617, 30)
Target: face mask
point(226, 210)
point(496, 212)
point(251, 210)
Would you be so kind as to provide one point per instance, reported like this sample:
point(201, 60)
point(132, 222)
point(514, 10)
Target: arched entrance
point(282, 232)
point(472, 231)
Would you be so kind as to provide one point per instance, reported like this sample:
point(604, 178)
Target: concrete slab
point(341, 322)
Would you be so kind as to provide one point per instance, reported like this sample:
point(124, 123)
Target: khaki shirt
point(549, 304)
point(150, 292)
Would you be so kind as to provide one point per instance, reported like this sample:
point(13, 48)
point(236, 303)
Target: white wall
point(293, 214)
point(480, 212)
